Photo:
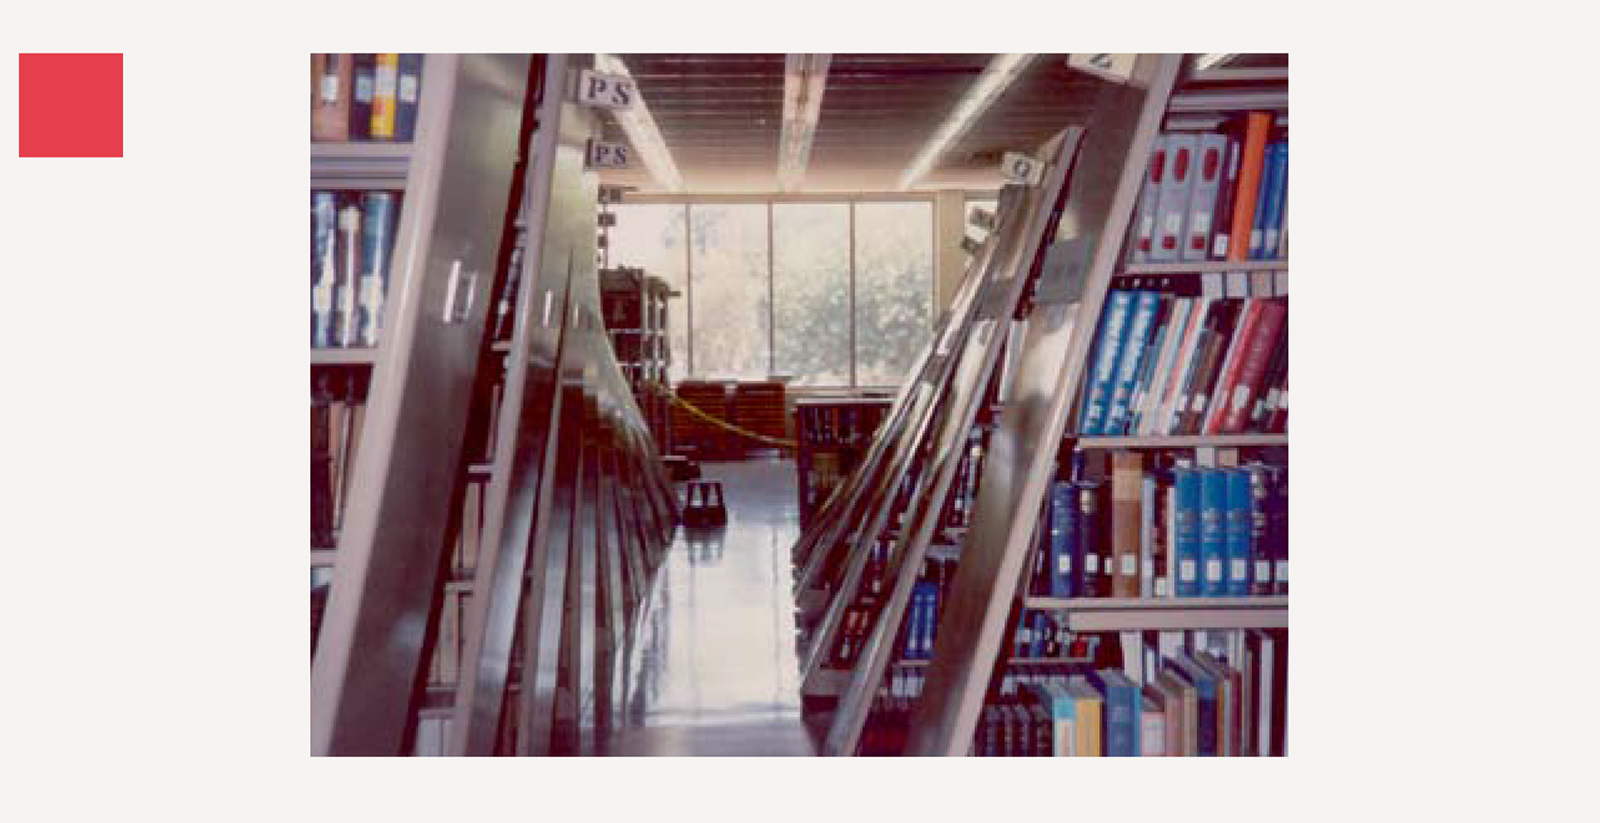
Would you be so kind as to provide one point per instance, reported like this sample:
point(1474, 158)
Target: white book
point(1211, 157)
point(1172, 210)
point(1150, 401)
point(1167, 416)
point(1144, 221)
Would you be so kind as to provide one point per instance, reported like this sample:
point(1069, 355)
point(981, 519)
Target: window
point(828, 294)
point(811, 292)
point(893, 305)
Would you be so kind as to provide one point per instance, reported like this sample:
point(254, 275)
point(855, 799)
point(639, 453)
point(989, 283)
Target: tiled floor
point(714, 669)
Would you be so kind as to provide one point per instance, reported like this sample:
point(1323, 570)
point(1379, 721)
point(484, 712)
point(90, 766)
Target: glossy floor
point(714, 669)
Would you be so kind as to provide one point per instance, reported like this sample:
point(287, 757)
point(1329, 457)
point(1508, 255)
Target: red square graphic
point(69, 105)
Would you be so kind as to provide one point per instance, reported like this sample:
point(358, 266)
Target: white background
point(153, 510)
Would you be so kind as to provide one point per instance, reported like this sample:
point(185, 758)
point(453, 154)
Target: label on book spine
point(408, 88)
point(1214, 570)
point(1186, 571)
point(330, 89)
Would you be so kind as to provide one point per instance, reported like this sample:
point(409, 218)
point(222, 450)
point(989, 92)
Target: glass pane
point(729, 278)
point(894, 289)
point(811, 292)
point(650, 237)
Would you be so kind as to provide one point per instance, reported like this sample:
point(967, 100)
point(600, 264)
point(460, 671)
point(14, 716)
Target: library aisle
point(714, 671)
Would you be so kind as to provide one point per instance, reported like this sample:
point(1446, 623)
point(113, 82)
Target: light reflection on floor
point(716, 648)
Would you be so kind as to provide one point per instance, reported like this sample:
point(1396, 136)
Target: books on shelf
point(338, 407)
point(360, 97)
point(1190, 362)
point(352, 241)
point(1219, 195)
point(1174, 530)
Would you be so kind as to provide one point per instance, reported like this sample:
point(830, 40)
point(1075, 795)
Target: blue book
point(1205, 689)
point(1236, 531)
point(1213, 533)
point(1186, 531)
point(408, 91)
point(1087, 554)
point(1120, 722)
point(324, 265)
point(1097, 402)
point(377, 241)
point(1130, 359)
point(1271, 174)
point(1058, 704)
point(1041, 634)
point(1278, 515)
point(930, 618)
point(1063, 539)
point(1278, 197)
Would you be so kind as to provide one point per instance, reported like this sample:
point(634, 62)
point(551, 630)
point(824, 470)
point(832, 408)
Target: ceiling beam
point(996, 77)
point(805, 76)
point(640, 127)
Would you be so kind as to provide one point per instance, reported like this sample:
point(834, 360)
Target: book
point(1127, 482)
point(1148, 503)
point(1097, 400)
point(1236, 531)
point(330, 103)
point(385, 88)
point(1213, 534)
point(1173, 206)
point(1152, 725)
point(1222, 216)
point(1252, 160)
point(324, 266)
point(1186, 538)
point(1153, 396)
point(344, 292)
point(322, 477)
point(1063, 537)
point(1123, 712)
point(1227, 367)
point(1256, 346)
point(1260, 530)
point(1093, 580)
point(1277, 199)
point(1205, 716)
point(1183, 706)
point(1144, 221)
point(362, 69)
point(377, 241)
point(408, 94)
point(1087, 703)
point(1264, 191)
point(1213, 149)
point(1227, 702)
point(1129, 359)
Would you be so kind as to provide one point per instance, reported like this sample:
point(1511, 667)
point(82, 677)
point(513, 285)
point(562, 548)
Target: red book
point(1228, 370)
point(1251, 161)
point(1252, 365)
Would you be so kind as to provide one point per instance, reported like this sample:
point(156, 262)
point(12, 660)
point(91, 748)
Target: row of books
point(352, 241)
point(365, 96)
point(1166, 532)
point(1198, 705)
point(842, 425)
point(1169, 364)
point(885, 731)
point(338, 407)
point(1215, 196)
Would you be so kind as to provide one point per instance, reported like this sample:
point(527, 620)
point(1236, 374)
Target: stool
point(702, 504)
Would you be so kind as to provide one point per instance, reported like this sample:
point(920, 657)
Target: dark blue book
point(1120, 721)
point(930, 619)
point(1277, 197)
point(1213, 533)
point(362, 85)
point(1186, 531)
point(1134, 346)
point(377, 242)
point(1040, 638)
point(1205, 689)
point(408, 91)
point(1236, 532)
point(1258, 226)
point(1279, 515)
point(324, 265)
point(1097, 400)
point(1260, 531)
point(1093, 580)
point(1062, 539)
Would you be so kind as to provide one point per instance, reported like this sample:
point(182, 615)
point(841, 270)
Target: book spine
point(344, 296)
point(1213, 544)
point(1237, 532)
point(377, 239)
point(1260, 532)
point(1173, 207)
point(1213, 149)
point(1280, 530)
point(385, 88)
point(1206, 371)
point(408, 92)
point(1139, 398)
point(1257, 345)
point(1258, 229)
point(324, 265)
point(1152, 733)
point(1228, 369)
point(1087, 557)
point(1226, 189)
point(1144, 223)
point(1063, 538)
point(1277, 201)
point(1147, 535)
point(362, 69)
point(1186, 540)
point(330, 105)
point(1127, 477)
point(1179, 369)
point(1133, 352)
point(1098, 400)
point(1252, 159)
